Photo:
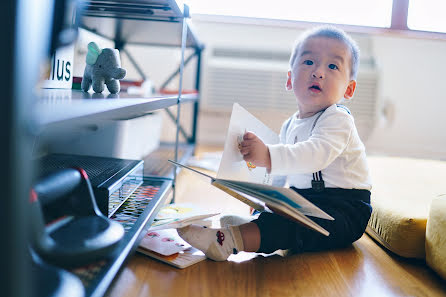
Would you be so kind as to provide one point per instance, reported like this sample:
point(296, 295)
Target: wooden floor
point(363, 269)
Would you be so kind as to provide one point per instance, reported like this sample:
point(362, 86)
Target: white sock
point(216, 244)
point(231, 220)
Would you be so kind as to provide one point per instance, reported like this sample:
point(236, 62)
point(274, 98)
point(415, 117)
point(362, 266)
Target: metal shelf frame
point(117, 21)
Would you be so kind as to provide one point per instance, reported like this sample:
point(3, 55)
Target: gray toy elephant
point(103, 66)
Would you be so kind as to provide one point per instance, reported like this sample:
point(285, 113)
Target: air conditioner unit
point(256, 80)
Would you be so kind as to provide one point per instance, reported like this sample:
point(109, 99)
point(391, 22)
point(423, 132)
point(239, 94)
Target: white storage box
point(125, 139)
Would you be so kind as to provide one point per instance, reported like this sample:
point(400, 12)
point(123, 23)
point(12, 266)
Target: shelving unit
point(151, 23)
point(61, 111)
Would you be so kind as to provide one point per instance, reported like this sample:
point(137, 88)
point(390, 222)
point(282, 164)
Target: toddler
point(320, 155)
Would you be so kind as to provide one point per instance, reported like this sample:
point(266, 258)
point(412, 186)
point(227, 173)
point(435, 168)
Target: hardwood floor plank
point(360, 270)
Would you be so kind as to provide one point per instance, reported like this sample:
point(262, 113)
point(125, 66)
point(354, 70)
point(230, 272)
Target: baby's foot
point(216, 244)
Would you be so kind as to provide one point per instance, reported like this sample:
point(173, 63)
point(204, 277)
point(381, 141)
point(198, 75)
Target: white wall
point(412, 88)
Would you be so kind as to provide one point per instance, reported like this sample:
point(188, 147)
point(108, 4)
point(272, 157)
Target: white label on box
point(61, 76)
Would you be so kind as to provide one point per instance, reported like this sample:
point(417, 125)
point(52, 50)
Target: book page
point(249, 200)
point(232, 165)
point(282, 201)
point(179, 215)
point(285, 196)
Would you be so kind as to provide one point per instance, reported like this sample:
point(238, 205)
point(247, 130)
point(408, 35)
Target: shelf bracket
point(182, 131)
point(173, 75)
point(180, 88)
point(138, 69)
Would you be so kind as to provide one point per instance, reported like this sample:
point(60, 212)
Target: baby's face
point(320, 75)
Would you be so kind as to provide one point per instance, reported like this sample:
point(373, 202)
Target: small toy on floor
point(103, 67)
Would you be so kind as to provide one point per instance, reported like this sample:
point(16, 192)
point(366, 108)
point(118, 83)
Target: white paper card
point(232, 165)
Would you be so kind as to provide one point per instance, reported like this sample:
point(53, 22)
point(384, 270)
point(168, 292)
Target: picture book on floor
point(168, 247)
point(253, 185)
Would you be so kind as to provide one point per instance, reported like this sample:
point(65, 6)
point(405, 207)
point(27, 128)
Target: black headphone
point(81, 233)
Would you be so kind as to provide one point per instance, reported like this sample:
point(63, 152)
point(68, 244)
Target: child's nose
point(318, 73)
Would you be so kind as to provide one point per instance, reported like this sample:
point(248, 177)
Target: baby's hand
point(255, 151)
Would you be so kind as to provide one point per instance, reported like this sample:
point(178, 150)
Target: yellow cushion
point(436, 236)
point(402, 191)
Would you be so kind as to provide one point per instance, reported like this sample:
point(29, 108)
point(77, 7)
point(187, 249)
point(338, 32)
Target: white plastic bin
point(125, 139)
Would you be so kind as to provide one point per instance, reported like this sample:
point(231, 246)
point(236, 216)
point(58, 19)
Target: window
point(427, 15)
point(376, 13)
point(420, 15)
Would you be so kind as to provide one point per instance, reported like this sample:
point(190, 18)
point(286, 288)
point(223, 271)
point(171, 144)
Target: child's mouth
point(315, 88)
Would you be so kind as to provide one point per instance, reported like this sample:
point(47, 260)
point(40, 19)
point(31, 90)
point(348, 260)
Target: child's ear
point(288, 85)
point(350, 90)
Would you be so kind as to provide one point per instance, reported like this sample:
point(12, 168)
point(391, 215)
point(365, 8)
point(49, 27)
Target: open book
point(253, 185)
point(179, 215)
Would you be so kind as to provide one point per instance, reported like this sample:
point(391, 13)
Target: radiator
point(256, 80)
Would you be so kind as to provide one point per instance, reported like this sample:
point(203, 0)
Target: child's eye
point(308, 62)
point(333, 66)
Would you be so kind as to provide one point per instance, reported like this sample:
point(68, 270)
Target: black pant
point(350, 208)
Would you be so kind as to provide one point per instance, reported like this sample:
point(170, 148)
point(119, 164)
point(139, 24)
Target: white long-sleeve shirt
point(332, 146)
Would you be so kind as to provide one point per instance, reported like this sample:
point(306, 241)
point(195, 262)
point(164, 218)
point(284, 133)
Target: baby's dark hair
point(334, 33)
